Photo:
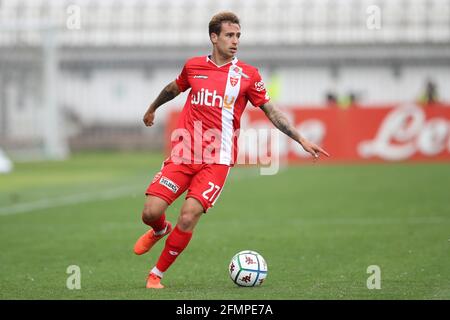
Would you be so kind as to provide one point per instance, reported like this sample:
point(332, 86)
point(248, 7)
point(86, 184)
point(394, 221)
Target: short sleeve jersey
point(208, 127)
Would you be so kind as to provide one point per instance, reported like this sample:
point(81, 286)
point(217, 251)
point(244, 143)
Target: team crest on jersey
point(234, 81)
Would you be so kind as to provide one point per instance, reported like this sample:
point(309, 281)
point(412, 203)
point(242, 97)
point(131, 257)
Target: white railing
point(184, 22)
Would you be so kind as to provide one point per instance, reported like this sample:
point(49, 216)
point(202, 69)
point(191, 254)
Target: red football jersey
point(207, 127)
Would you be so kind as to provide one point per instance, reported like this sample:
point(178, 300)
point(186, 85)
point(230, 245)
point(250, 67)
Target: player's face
point(227, 41)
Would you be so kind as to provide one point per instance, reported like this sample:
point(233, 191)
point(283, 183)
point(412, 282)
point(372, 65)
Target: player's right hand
point(149, 117)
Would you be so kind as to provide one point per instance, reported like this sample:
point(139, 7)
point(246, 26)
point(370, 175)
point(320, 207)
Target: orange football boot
point(148, 239)
point(154, 282)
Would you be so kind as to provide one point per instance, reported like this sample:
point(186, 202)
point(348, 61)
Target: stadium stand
point(120, 53)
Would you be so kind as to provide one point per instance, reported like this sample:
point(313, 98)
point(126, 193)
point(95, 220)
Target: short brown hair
point(215, 25)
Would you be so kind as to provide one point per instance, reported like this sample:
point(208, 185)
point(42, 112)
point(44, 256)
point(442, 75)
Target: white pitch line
point(362, 221)
point(66, 200)
point(87, 197)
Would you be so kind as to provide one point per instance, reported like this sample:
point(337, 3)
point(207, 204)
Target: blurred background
point(78, 75)
point(366, 79)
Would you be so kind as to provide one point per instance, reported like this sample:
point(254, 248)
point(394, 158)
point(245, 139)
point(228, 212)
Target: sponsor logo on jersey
point(169, 184)
point(259, 86)
point(199, 76)
point(207, 98)
point(211, 99)
point(228, 104)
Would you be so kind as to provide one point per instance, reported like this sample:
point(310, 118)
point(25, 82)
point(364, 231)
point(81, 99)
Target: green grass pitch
point(318, 226)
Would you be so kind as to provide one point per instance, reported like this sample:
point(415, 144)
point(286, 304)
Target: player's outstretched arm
point(168, 93)
point(282, 123)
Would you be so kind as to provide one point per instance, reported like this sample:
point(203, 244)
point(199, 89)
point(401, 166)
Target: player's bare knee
point(188, 219)
point(150, 213)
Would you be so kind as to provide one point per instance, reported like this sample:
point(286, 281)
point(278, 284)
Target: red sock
point(175, 244)
point(159, 224)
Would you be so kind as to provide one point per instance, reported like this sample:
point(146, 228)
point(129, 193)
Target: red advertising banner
point(407, 132)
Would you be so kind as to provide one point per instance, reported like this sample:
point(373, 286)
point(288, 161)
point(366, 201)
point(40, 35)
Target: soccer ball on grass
point(248, 269)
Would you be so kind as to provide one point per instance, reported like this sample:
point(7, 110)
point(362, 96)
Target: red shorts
point(204, 182)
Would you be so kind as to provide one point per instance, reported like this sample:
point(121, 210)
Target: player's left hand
point(313, 149)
